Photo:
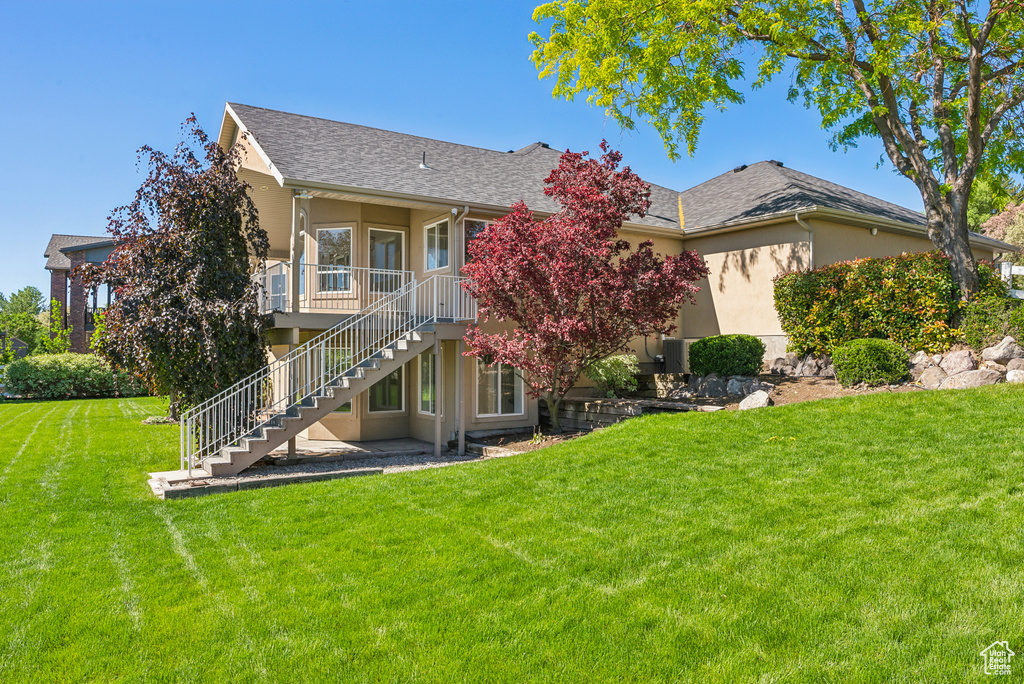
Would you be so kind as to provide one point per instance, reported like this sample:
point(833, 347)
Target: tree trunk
point(947, 228)
point(172, 408)
point(553, 402)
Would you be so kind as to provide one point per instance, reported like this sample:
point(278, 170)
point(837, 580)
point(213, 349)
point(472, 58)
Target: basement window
point(499, 390)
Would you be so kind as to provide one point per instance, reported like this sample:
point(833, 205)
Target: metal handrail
point(324, 287)
point(312, 368)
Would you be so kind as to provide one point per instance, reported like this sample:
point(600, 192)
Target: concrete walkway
point(309, 450)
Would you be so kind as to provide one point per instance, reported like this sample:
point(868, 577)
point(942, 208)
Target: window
point(430, 385)
point(334, 259)
point(436, 246)
point(386, 395)
point(474, 228)
point(499, 390)
point(387, 259)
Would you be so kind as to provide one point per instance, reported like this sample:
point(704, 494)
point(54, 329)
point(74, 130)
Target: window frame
point(438, 384)
point(519, 383)
point(426, 246)
point(401, 394)
point(351, 228)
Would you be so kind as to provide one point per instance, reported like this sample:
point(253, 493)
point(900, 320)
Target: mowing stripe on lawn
point(15, 416)
point(24, 445)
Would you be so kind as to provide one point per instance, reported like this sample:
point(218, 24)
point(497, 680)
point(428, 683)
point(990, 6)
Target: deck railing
point(312, 368)
point(327, 288)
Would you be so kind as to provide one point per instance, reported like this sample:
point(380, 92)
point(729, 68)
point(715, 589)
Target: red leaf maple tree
point(574, 289)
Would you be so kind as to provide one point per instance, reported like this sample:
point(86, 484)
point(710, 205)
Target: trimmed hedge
point(872, 361)
point(67, 376)
point(727, 355)
point(986, 320)
point(910, 299)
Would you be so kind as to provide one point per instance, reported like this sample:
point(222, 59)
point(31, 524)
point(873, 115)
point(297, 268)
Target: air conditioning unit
point(675, 355)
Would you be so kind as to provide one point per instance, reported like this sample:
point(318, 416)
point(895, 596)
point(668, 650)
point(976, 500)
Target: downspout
point(460, 240)
point(810, 239)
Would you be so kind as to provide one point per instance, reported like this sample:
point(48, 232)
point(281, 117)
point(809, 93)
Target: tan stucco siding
point(738, 296)
point(274, 205)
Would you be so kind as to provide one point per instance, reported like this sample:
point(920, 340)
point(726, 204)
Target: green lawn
point(869, 539)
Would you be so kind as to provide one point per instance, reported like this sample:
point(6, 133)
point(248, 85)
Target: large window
point(334, 259)
point(430, 385)
point(386, 395)
point(436, 242)
point(499, 390)
point(474, 228)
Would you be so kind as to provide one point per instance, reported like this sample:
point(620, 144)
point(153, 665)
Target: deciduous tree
point(185, 315)
point(574, 289)
point(940, 83)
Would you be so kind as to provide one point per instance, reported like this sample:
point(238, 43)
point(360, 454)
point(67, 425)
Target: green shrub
point(872, 361)
point(64, 376)
point(615, 375)
point(727, 355)
point(910, 299)
point(988, 319)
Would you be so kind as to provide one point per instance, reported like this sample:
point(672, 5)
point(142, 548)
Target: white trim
point(476, 394)
point(369, 247)
point(426, 245)
point(315, 238)
point(255, 145)
point(438, 383)
point(401, 394)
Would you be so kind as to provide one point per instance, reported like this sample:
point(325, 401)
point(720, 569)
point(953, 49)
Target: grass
point(868, 539)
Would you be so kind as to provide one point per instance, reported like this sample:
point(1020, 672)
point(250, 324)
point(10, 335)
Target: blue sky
point(84, 85)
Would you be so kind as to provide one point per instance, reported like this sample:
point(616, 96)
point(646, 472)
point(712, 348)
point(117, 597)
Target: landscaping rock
point(1004, 351)
point(708, 386)
point(735, 385)
point(785, 365)
point(919, 363)
point(755, 385)
point(972, 378)
point(992, 365)
point(1015, 376)
point(958, 362)
point(937, 359)
point(759, 399)
point(1015, 364)
point(932, 377)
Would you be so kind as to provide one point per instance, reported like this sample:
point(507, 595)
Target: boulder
point(735, 385)
point(785, 365)
point(958, 362)
point(937, 359)
point(1004, 351)
point(1015, 376)
point(972, 378)
point(810, 365)
point(710, 386)
point(755, 385)
point(992, 365)
point(932, 377)
point(758, 399)
point(1015, 364)
point(919, 363)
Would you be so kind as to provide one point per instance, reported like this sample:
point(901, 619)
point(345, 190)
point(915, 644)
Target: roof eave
point(848, 217)
point(228, 111)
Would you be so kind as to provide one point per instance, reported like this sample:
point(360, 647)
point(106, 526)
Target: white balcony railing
point(324, 288)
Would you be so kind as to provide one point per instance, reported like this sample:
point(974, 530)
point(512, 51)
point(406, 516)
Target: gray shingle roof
point(766, 188)
point(55, 259)
point(308, 149)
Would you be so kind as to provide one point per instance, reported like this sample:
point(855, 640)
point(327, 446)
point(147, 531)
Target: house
point(78, 303)
point(19, 347)
point(368, 231)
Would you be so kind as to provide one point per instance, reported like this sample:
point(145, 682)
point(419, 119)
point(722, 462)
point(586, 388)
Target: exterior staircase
point(231, 431)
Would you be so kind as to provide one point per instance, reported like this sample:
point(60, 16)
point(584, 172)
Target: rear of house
point(368, 233)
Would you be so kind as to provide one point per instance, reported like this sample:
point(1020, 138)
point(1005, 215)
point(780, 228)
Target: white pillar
point(437, 398)
point(460, 402)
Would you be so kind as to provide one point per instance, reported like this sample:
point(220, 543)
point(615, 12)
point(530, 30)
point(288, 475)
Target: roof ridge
point(371, 128)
